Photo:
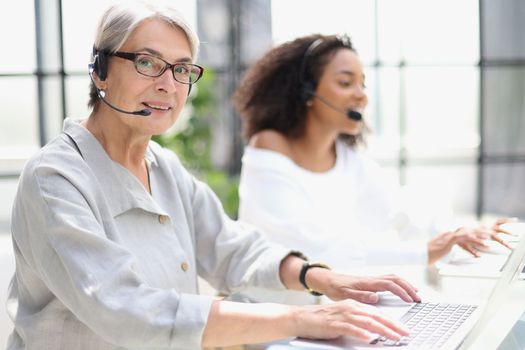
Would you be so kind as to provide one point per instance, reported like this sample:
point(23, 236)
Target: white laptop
point(440, 325)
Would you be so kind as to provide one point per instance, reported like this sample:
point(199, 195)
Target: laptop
point(441, 325)
point(515, 338)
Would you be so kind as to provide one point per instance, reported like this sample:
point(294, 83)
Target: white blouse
point(102, 264)
point(347, 216)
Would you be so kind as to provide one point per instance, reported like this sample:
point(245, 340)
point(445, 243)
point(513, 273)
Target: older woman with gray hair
point(110, 231)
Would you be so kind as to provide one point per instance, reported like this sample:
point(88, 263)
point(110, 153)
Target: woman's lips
point(159, 106)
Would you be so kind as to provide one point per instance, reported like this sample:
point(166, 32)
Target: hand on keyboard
point(345, 318)
point(430, 324)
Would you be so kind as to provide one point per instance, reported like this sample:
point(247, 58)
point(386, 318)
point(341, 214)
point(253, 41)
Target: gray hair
point(119, 21)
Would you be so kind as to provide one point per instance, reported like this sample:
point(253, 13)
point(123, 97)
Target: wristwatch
point(302, 276)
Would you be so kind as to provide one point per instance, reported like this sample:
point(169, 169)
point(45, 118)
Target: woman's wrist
point(231, 323)
point(293, 320)
point(440, 245)
point(289, 271)
point(318, 279)
point(297, 273)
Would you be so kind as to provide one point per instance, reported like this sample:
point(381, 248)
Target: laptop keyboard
point(430, 324)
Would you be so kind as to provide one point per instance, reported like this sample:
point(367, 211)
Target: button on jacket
point(103, 264)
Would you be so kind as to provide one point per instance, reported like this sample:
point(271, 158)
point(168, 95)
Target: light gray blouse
point(102, 264)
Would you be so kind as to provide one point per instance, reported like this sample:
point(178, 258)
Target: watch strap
point(302, 276)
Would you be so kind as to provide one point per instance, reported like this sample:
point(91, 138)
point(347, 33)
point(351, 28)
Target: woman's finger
point(473, 240)
point(397, 279)
point(410, 289)
point(470, 249)
point(501, 241)
point(395, 326)
point(361, 296)
point(349, 329)
point(498, 229)
point(497, 225)
point(387, 285)
point(501, 221)
point(379, 325)
point(478, 244)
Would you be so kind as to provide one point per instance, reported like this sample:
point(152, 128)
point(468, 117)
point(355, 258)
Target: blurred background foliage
point(191, 140)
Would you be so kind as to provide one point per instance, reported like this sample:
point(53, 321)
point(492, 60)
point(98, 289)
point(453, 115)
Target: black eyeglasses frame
point(132, 56)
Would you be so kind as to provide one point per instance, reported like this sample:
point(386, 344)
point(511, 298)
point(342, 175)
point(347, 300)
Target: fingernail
point(373, 298)
point(396, 336)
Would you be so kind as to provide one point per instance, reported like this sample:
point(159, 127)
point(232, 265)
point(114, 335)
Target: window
point(423, 84)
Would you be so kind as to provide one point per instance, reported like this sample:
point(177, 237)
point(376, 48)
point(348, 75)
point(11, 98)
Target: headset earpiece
point(100, 65)
point(307, 86)
point(307, 91)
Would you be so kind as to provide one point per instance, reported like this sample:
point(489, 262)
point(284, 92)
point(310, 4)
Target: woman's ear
point(99, 84)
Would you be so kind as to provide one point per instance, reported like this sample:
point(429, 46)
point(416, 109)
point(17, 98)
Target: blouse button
point(162, 219)
point(184, 266)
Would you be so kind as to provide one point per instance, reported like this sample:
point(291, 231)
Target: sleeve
point(274, 201)
point(60, 234)
point(231, 255)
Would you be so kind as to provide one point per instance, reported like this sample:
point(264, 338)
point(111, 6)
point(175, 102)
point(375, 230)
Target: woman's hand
point(470, 239)
point(346, 317)
point(230, 323)
point(496, 230)
point(339, 287)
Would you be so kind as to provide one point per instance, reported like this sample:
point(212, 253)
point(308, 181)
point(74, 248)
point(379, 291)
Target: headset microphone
point(354, 115)
point(101, 94)
point(350, 113)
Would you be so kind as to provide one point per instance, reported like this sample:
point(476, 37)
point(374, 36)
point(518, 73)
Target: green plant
point(191, 140)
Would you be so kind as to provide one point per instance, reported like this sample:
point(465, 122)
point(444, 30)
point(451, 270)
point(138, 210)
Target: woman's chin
point(155, 127)
point(353, 131)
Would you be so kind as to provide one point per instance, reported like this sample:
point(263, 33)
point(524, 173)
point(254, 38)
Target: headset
point(100, 63)
point(308, 86)
point(100, 67)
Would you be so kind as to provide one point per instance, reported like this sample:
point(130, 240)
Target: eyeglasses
point(152, 66)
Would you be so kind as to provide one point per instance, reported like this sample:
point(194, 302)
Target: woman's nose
point(166, 82)
point(359, 92)
point(360, 95)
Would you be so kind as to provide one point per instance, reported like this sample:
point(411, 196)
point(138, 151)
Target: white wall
point(7, 194)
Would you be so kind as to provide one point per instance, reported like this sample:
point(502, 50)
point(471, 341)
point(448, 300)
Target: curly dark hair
point(272, 95)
